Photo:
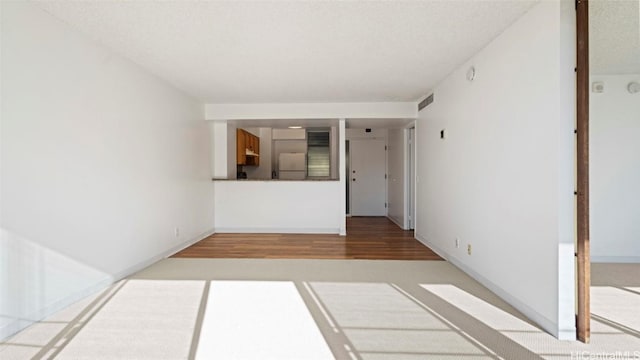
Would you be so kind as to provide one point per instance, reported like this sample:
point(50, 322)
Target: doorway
point(366, 179)
point(411, 178)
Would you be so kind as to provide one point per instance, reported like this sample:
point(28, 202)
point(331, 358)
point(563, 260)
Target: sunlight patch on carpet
point(259, 320)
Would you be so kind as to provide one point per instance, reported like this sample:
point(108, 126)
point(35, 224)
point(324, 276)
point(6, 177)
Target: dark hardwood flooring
point(367, 238)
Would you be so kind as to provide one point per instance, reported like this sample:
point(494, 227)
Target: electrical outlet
point(457, 243)
point(176, 231)
point(469, 249)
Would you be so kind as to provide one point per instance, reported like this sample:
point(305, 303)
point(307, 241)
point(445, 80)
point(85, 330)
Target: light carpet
point(319, 309)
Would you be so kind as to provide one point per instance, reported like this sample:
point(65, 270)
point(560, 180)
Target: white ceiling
point(614, 39)
point(294, 51)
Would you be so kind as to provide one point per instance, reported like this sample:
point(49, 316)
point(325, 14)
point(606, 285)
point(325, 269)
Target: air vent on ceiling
point(424, 103)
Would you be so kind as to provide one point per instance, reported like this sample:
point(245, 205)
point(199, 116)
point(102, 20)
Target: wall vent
point(424, 103)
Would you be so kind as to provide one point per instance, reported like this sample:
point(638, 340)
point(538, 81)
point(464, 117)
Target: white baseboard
point(15, 325)
point(397, 222)
point(269, 230)
point(186, 244)
point(163, 255)
point(547, 324)
point(616, 259)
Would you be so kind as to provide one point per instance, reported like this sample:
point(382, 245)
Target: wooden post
point(583, 323)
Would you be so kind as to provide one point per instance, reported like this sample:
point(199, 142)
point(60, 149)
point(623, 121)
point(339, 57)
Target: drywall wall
point(501, 179)
point(279, 206)
point(376, 110)
point(263, 171)
point(333, 141)
point(101, 163)
point(255, 131)
point(221, 141)
point(232, 151)
point(213, 154)
point(222, 136)
point(353, 134)
point(396, 158)
point(615, 170)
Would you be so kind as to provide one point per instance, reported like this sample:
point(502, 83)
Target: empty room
point(320, 179)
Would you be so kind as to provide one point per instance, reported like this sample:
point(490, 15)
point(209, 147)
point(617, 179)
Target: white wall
point(376, 110)
point(219, 138)
point(502, 180)
point(353, 134)
point(615, 170)
point(396, 158)
point(255, 131)
point(101, 161)
point(232, 151)
point(222, 136)
point(334, 152)
point(263, 171)
point(279, 206)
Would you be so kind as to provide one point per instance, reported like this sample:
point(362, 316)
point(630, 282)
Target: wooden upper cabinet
point(247, 141)
point(255, 144)
point(251, 142)
point(240, 147)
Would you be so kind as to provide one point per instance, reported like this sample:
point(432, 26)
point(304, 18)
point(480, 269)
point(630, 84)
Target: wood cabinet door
point(241, 146)
point(257, 150)
point(252, 142)
point(245, 140)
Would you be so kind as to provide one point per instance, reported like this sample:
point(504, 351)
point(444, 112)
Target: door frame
point(410, 177)
point(347, 164)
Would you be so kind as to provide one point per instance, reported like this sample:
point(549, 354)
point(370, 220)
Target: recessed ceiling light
point(295, 127)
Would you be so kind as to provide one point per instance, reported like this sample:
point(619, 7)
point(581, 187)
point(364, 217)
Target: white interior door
point(367, 177)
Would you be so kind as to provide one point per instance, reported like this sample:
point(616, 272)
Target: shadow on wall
point(36, 282)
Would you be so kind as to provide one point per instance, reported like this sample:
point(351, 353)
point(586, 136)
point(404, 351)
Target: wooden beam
point(583, 323)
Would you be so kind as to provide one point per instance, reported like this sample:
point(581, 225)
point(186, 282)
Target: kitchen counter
point(226, 179)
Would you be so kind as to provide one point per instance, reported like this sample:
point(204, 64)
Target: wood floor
point(367, 238)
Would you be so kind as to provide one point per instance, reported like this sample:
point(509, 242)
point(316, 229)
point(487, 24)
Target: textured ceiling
point(614, 36)
point(294, 51)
